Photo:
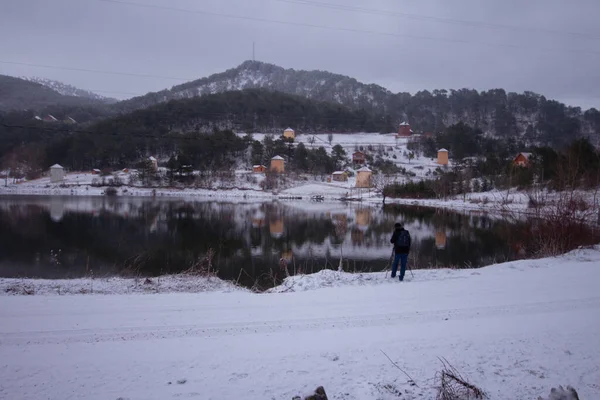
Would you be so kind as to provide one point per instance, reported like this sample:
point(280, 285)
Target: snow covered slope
point(515, 329)
point(386, 146)
point(69, 90)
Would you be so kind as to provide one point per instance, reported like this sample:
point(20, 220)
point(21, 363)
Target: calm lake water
point(255, 243)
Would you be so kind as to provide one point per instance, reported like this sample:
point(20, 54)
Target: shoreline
point(321, 280)
point(495, 202)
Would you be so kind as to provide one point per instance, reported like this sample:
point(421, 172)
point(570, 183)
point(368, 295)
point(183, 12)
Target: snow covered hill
point(69, 90)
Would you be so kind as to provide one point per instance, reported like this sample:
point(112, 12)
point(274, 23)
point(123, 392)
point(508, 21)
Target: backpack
point(403, 239)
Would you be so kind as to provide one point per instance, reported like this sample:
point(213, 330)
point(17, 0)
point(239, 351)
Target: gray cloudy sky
point(554, 48)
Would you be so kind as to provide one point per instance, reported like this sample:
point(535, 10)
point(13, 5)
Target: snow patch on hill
point(69, 90)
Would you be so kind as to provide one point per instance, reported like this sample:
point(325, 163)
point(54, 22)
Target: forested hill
point(247, 110)
point(496, 112)
point(169, 127)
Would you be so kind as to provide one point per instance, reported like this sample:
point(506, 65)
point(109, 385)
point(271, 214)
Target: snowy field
point(79, 184)
point(514, 329)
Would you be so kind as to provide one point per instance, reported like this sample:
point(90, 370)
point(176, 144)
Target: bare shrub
point(535, 200)
point(111, 191)
point(563, 225)
point(203, 266)
point(452, 386)
point(20, 289)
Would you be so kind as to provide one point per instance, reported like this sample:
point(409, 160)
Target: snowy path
point(515, 329)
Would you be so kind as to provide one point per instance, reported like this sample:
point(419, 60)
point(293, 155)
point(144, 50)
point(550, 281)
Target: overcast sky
point(553, 48)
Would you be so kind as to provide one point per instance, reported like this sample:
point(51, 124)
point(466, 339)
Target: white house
point(154, 162)
point(57, 173)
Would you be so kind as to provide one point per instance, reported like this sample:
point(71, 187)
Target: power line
point(93, 70)
point(452, 21)
point(342, 29)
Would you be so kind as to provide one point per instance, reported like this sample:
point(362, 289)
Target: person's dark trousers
point(401, 259)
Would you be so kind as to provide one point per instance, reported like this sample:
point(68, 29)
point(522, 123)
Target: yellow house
point(289, 133)
point(339, 176)
point(364, 177)
point(278, 164)
point(442, 157)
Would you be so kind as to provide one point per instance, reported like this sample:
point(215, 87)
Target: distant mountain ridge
point(69, 90)
point(527, 116)
point(495, 112)
point(21, 94)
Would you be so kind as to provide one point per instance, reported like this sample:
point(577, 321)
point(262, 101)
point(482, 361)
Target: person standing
point(401, 241)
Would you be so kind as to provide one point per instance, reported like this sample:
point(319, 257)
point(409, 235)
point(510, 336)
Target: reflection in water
point(257, 243)
point(440, 240)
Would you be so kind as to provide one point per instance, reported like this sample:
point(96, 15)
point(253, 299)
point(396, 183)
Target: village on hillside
point(369, 162)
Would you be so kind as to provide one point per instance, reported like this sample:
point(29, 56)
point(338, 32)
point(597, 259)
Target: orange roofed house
point(358, 157)
point(259, 169)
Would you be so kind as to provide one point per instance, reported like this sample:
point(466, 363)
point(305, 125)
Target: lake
point(256, 244)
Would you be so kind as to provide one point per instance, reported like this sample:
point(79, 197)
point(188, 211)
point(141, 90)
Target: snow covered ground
point(514, 329)
point(79, 184)
point(388, 146)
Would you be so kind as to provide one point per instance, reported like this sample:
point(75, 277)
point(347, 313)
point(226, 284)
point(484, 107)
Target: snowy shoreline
point(327, 278)
point(510, 202)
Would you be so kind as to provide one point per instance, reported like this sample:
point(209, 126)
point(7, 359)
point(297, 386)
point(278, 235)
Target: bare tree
point(330, 138)
point(379, 183)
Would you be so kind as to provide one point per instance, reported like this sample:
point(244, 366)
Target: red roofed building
point(404, 130)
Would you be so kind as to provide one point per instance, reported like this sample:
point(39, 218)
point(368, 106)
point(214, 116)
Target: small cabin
point(522, 159)
point(289, 133)
point(69, 120)
point(50, 118)
point(57, 173)
point(358, 157)
point(154, 163)
point(277, 165)
point(442, 157)
point(259, 169)
point(96, 171)
point(339, 176)
point(364, 178)
point(404, 130)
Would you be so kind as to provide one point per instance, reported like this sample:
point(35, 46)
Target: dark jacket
point(400, 249)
